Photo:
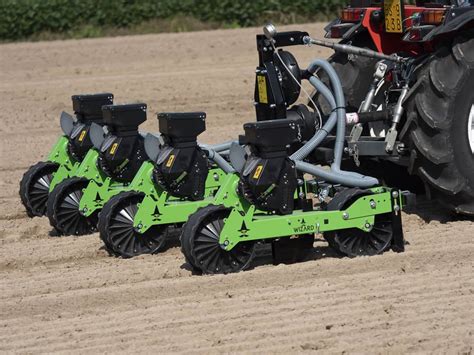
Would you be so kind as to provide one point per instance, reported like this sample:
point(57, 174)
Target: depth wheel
point(118, 234)
point(63, 208)
point(356, 242)
point(34, 187)
point(200, 238)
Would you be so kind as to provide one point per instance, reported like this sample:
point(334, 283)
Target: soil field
point(67, 295)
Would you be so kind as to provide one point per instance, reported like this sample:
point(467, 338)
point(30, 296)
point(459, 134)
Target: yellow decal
point(393, 16)
point(258, 172)
point(262, 89)
point(114, 148)
point(170, 161)
point(82, 136)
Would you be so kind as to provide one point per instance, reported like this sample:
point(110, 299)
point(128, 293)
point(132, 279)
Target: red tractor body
point(397, 27)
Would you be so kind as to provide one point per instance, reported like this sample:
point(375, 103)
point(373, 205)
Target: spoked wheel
point(356, 242)
point(200, 240)
point(34, 187)
point(63, 208)
point(119, 235)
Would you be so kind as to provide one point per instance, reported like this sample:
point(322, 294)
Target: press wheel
point(117, 231)
point(34, 187)
point(356, 242)
point(63, 208)
point(200, 240)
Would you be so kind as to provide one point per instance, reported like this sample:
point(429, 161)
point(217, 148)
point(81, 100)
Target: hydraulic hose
point(338, 115)
point(321, 134)
point(220, 161)
point(336, 177)
point(218, 147)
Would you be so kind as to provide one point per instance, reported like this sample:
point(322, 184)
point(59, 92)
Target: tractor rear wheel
point(441, 117)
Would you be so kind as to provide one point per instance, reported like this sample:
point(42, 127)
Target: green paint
point(67, 164)
point(253, 225)
point(160, 208)
point(102, 188)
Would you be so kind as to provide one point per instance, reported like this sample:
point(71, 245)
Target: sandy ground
point(67, 295)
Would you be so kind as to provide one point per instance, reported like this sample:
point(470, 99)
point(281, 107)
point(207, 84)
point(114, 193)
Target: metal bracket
point(398, 241)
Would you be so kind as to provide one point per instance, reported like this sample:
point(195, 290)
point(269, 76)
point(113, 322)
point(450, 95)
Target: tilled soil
point(67, 295)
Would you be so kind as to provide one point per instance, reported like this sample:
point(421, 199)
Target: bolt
point(216, 177)
point(395, 194)
point(396, 208)
point(84, 210)
point(140, 226)
point(345, 215)
point(373, 204)
point(368, 225)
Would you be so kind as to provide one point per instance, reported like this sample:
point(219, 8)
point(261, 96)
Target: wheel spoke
point(123, 238)
point(209, 256)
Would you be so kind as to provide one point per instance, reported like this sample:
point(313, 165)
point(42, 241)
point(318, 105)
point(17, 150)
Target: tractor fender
point(464, 19)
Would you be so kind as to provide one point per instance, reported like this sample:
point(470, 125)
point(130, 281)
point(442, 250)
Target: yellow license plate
point(393, 10)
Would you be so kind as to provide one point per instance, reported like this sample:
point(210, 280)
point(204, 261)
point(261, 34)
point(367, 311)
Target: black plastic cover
point(182, 126)
point(89, 107)
point(273, 135)
point(121, 156)
point(124, 118)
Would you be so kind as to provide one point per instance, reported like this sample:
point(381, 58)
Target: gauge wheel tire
point(200, 239)
point(440, 116)
point(355, 242)
point(34, 188)
point(63, 209)
point(117, 231)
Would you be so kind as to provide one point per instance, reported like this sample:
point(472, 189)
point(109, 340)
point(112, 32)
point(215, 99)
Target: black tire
point(34, 187)
point(356, 242)
point(186, 249)
point(438, 113)
point(63, 209)
point(201, 247)
point(117, 232)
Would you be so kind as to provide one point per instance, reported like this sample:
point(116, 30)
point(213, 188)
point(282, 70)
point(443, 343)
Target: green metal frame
point(245, 223)
point(67, 164)
point(160, 208)
point(102, 188)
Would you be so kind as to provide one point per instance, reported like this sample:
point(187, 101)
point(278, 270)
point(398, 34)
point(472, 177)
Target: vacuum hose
point(337, 117)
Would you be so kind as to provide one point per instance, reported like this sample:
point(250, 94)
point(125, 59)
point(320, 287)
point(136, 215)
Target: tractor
point(428, 144)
